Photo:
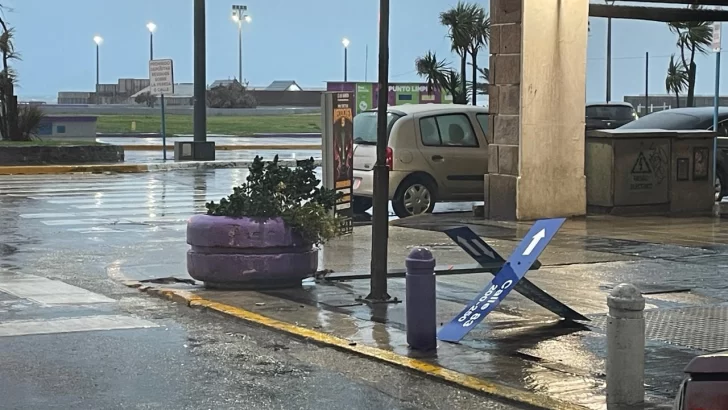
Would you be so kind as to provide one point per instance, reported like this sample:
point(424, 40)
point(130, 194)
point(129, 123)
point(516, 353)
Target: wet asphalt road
point(72, 337)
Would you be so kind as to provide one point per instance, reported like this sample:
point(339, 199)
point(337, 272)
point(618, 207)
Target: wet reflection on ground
point(135, 224)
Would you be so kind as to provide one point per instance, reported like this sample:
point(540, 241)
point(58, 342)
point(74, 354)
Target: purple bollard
point(421, 305)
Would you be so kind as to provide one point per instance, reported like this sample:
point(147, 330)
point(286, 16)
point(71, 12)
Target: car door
point(455, 154)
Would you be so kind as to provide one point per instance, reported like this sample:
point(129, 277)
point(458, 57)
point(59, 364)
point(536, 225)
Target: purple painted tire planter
point(247, 253)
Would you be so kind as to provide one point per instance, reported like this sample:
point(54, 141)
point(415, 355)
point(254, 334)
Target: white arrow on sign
point(536, 239)
point(472, 245)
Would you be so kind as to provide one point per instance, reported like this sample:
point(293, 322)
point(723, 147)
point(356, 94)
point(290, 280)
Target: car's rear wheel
point(362, 204)
point(719, 188)
point(415, 196)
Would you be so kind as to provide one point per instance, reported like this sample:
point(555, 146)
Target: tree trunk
point(475, 78)
point(677, 100)
point(691, 85)
point(463, 69)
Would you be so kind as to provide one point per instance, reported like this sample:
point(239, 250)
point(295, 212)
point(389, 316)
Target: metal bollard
point(625, 347)
point(421, 302)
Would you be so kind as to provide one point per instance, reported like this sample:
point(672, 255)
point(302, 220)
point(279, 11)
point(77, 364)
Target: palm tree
point(483, 79)
point(452, 83)
point(460, 21)
point(480, 37)
point(432, 69)
point(693, 37)
point(8, 77)
point(676, 80)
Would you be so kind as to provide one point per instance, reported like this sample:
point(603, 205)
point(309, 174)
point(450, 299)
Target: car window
point(428, 130)
point(365, 127)
point(483, 120)
point(451, 130)
point(610, 112)
point(722, 129)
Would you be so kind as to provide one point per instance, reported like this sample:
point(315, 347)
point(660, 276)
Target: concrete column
point(537, 103)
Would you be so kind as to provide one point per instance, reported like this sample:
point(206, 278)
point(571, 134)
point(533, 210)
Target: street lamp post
point(200, 74)
point(380, 223)
point(152, 28)
point(240, 16)
point(98, 40)
point(346, 43)
point(609, 54)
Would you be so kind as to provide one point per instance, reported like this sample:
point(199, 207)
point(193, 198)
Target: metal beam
point(662, 14)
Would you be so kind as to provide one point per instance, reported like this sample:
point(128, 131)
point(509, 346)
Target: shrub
point(291, 193)
point(233, 95)
point(146, 98)
point(29, 120)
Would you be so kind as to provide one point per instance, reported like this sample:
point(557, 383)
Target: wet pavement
point(151, 157)
point(72, 337)
point(134, 225)
point(217, 140)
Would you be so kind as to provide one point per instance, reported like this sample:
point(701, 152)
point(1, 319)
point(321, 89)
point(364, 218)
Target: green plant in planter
point(291, 193)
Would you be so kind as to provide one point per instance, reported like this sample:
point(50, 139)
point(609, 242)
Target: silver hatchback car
point(436, 153)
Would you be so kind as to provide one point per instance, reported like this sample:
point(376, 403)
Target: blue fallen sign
point(505, 280)
point(485, 255)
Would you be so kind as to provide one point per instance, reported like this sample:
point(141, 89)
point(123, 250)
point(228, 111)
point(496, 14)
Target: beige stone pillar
point(537, 102)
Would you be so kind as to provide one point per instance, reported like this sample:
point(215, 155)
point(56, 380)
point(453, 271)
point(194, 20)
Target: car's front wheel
point(362, 204)
point(415, 196)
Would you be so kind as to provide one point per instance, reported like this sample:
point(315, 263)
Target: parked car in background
point(694, 118)
point(435, 153)
point(601, 116)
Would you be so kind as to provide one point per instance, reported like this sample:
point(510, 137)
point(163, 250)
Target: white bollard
point(625, 347)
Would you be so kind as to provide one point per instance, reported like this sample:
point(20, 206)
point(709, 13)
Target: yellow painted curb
point(66, 169)
point(428, 369)
point(242, 147)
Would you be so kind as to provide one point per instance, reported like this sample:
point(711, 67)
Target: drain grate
point(702, 327)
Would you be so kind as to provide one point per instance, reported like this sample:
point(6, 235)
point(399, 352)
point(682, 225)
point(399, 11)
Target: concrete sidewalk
point(676, 262)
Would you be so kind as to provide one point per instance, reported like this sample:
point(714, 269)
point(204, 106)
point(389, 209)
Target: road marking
point(48, 292)
point(493, 388)
point(71, 325)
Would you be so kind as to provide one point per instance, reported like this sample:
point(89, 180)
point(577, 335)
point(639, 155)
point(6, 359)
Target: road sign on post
point(504, 281)
point(485, 255)
point(161, 82)
point(715, 44)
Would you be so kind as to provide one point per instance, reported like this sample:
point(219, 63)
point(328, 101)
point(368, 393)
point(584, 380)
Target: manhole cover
point(703, 327)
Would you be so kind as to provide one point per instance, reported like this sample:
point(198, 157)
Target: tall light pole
point(152, 28)
point(200, 73)
point(380, 217)
point(346, 43)
point(98, 40)
point(239, 17)
point(609, 54)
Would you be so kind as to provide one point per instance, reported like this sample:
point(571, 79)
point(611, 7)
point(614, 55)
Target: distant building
point(283, 86)
point(119, 93)
point(277, 93)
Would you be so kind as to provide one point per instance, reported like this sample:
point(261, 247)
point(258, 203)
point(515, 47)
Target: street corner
point(291, 318)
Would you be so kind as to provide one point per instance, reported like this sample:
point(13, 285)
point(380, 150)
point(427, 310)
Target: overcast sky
point(287, 39)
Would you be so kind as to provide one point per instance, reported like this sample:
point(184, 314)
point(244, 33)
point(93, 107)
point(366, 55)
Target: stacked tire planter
point(247, 253)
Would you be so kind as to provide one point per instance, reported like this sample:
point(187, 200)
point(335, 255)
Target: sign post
point(515, 268)
point(716, 46)
point(161, 82)
point(337, 117)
